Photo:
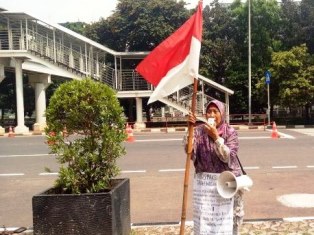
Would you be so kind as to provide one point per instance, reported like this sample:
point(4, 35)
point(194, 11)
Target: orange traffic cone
point(51, 134)
point(274, 133)
point(11, 133)
point(129, 132)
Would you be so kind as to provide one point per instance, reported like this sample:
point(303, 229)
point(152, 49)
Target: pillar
point(139, 114)
point(20, 128)
point(2, 76)
point(40, 82)
point(227, 108)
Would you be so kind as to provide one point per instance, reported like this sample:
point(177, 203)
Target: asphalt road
point(155, 165)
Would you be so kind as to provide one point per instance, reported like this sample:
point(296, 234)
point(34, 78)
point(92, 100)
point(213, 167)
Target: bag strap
point(244, 173)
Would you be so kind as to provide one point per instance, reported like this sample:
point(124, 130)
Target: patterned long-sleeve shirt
point(216, 156)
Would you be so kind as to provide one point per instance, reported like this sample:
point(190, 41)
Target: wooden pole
point(188, 160)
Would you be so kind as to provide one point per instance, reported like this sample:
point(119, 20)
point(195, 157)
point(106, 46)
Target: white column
point(227, 108)
point(139, 114)
point(20, 128)
point(40, 82)
point(2, 76)
point(1, 79)
point(40, 97)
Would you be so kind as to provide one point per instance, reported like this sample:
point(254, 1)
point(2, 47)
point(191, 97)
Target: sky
point(61, 11)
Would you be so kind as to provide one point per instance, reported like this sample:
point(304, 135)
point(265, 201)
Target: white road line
point(160, 170)
point(254, 138)
point(26, 155)
point(137, 171)
point(282, 135)
point(159, 140)
point(296, 219)
point(286, 136)
point(251, 167)
point(12, 174)
point(284, 167)
point(48, 173)
point(171, 170)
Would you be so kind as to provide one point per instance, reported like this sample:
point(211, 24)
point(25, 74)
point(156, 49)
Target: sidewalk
point(267, 227)
point(296, 226)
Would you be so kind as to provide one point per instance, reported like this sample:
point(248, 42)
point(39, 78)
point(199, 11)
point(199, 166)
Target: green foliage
point(139, 25)
point(78, 27)
point(293, 76)
point(85, 129)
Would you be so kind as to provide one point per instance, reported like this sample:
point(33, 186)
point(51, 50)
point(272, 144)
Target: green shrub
point(85, 129)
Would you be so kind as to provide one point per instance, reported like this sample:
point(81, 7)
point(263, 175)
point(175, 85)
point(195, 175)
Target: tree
point(265, 19)
point(293, 75)
point(290, 30)
point(78, 27)
point(139, 25)
point(218, 44)
point(307, 23)
point(85, 129)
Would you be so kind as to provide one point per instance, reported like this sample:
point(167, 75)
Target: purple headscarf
point(205, 157)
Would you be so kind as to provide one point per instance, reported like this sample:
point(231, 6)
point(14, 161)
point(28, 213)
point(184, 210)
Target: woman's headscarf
point(221, 107)
point(205, 157)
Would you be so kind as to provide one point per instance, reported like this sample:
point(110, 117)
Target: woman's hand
point(191, 118)
point(212, 131)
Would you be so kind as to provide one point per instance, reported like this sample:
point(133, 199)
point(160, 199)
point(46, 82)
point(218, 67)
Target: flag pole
point(188, 160)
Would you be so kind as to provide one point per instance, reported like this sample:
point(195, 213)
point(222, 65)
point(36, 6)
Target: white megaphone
point(228, 184)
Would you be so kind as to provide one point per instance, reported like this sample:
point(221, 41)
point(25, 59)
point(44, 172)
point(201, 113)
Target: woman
point(215, 148)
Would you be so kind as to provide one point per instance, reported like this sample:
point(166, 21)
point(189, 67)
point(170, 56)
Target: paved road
point(155, 165)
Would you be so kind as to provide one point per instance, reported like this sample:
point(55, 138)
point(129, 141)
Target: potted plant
point(85, 130)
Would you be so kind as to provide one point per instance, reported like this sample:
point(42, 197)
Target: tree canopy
point(280, 32)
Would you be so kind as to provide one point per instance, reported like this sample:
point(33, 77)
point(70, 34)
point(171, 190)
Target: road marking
point(158, 140)
point(284, 167)
point(49, 173)
point(137, 171)
point(160, 170)
point(171, 170)
point(251, 167)
point(12, 174)
point(254, 138)
point(286, 136)
point(283, 135)
point(297, 200)
point(296, 219)
point(26, 155)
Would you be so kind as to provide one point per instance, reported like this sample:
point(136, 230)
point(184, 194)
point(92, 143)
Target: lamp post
point(249, 60)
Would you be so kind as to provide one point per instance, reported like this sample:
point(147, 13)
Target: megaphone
point(228, 184)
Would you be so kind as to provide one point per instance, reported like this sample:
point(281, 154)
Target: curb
point(182, 129)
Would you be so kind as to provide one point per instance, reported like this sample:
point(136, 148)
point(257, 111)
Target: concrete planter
point(95, 214)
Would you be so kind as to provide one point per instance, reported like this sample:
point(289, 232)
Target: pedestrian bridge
point(43, 50)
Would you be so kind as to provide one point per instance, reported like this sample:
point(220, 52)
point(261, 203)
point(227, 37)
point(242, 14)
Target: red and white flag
point(174, 63)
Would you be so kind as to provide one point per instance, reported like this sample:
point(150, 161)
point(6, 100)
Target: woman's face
point(213, 112)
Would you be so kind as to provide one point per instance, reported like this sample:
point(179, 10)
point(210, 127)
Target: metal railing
point(55, 51)
point(68, 52)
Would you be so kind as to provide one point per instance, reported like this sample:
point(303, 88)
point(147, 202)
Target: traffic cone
point(51, 142)
point(11, 133)
point(274, 133)
point(129, 131)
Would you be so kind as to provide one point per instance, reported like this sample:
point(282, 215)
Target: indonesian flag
point(174, 63)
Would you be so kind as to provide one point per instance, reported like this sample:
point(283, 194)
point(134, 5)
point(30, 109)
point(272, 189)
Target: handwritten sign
point(212, 214)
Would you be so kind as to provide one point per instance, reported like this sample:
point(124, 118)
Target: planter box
point(95, 214)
